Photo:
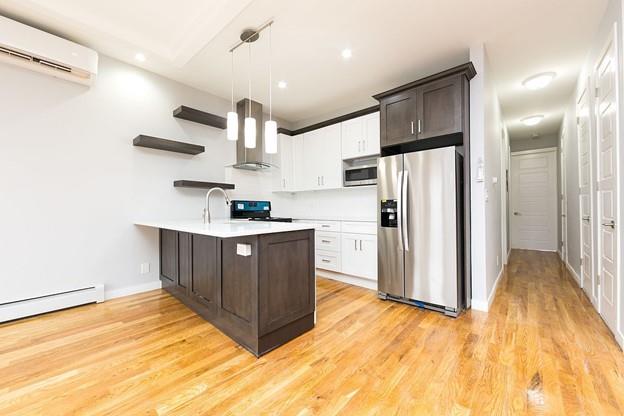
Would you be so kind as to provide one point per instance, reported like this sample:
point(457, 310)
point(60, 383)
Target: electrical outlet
point(145, 268)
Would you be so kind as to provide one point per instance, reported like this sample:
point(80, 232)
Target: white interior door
point(534, 200)
point(606, 118)
point(585, 197)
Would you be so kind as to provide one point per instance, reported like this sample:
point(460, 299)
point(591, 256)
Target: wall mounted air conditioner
point(39, 51)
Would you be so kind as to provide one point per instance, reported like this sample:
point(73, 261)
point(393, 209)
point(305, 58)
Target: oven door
point(360, 175)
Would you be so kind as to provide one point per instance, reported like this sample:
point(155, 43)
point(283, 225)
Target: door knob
point(517, 214)
point(609, 224)
point(586, 218)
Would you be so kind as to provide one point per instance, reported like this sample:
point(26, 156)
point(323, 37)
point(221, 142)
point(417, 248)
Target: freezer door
point(431, 227)
point(389, 252)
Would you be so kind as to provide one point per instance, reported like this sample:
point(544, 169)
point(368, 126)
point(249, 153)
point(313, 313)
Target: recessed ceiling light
point(532, 120)
point(346, 53)
point(282, 84)
point(539, 81)
point(140, 57)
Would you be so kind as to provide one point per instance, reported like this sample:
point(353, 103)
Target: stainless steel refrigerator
point(421, 229)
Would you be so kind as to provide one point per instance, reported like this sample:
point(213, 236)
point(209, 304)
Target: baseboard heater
point(34, 306)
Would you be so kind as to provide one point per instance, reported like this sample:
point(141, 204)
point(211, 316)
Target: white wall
point(519, 145)
point(72, 183)
point(486, 141)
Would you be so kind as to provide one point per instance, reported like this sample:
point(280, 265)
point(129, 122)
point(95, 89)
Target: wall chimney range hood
point(250, 159)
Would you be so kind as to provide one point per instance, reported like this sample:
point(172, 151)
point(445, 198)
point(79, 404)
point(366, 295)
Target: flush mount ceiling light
point(140, 57)
point(532, 120)
point(539, 81)
point(282, 84)
point(346, 53)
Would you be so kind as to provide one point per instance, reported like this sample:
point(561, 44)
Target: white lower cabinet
point(348, 248)
point(359, 255)
point(328, 260)
point(327, 241)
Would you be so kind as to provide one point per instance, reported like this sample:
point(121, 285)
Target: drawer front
point(327, 241)
point(359, 227)
point(328, 260)
point(333, 226)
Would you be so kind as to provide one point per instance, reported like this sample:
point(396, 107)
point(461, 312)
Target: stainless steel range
point(254, 211)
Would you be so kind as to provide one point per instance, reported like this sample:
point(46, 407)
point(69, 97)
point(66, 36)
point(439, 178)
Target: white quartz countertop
point(226, 229)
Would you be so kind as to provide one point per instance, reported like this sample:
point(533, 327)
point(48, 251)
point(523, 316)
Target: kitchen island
point(252, 280)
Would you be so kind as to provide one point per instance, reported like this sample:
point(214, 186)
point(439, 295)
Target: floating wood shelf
point(168, 145)
point(202, 185)
point(198, 116)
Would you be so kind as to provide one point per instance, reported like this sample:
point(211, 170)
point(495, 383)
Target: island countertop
point(225, 228)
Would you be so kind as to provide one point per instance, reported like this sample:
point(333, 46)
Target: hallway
point(555, 352)
point(542, 349)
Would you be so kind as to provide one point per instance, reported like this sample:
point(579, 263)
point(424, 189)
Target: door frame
point(563, 195)
point(530, 152)
point(612, 41)
point(584, 92)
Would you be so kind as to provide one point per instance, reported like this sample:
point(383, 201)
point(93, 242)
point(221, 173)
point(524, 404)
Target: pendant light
point(250, 122)
point(232, 117)
point(270, 127)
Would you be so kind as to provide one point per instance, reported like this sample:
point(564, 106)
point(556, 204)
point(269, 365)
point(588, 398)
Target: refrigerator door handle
point(404, 209)
point(400, 208)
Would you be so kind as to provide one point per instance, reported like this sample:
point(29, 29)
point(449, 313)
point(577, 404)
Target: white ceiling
point(393, 43)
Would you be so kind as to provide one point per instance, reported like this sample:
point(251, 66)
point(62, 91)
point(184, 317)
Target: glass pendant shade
point(250, 132)
point(270, 137)
point(232, 126)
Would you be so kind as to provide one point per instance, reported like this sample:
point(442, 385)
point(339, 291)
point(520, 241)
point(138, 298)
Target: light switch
point(243, 249)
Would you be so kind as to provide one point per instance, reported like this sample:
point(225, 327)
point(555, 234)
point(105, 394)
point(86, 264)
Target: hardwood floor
point(541, 350)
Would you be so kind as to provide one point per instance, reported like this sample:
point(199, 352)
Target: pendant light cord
point(270, 72)
point(249, 73)
point(232, 75)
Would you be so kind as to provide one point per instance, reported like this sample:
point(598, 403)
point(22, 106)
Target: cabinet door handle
point(318, 181)
point(419, 127)
point(355, 245)
point(284, 180)
point(359, 146)
point(323, 180)
point(412, 123)
point(360, 245)
point(325, 261)
point(326, 241)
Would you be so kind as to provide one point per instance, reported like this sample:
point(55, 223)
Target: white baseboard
point(132, 290)
point(482, 305)
point(479, 305)
point(573, 273)
point(619, 337)
point(345, 278)
point(49, 303)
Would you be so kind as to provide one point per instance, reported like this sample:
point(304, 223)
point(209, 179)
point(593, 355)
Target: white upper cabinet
point(360, 136)
point(284, 175)
point(372, 144)
point(287, 177)
point(298, 166)
point(322, 161)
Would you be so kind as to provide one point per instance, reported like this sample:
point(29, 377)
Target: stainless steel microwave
point(360, 175)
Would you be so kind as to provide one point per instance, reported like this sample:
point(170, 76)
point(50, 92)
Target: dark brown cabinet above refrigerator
point(428, 113)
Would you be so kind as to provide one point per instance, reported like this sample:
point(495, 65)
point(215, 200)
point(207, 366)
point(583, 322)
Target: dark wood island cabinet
point(257, 289)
